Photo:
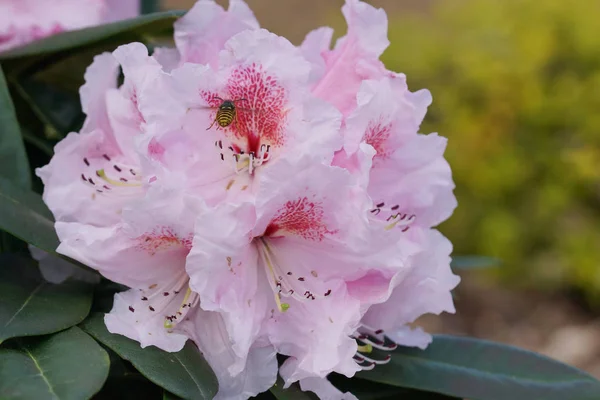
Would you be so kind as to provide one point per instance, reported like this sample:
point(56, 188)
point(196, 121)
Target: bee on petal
point(226, 112)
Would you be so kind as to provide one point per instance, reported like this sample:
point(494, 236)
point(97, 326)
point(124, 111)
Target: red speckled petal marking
point(377, 135)
point(161, 239)
point(261, 115)
point(265, 98)
point(301, 217)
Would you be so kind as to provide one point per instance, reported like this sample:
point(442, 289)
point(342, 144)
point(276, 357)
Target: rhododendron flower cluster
point(23, 21)
point(259, 198)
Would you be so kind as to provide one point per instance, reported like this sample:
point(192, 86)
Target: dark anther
point(380, 205)
point(131, 309)
point(91, 181)
point(301, 279)
point(151, 308)
point(123, 180)
point(379, 331)
point(165, 293)
point(395, 207)
point(106, 187)
point(144, 298)
point(132, 172)
point(222, 158)
point(106, 157)
point(85, 160)
point(117, 168)
point(83, 177)
point(289, 273)
point(327, 293)
point(99, 191)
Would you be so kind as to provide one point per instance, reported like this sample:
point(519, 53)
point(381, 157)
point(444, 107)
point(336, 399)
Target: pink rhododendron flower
point(201, 34)
point(338, 73)
point(282, 264)
point(411, 185)
point(23, 21)
point(259, 198)
point(113, 216)
point(91, 185)
point(276, 117)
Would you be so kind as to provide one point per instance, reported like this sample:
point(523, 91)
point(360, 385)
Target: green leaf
point(474, 262)
point(367, 390)
point(57, 109)
point(13, 159)
point(185, 374)
point(115, 33)
point(67, 365)
point(29, 305)
point(292, 393)
point(480, 370)
point(169, 396)
point(24, 214)
point(150, 6)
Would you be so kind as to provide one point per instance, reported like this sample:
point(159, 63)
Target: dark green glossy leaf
point(292, 393)
point(13, 159)
point(474, 262)
point(24, 214)
point(150, 6)
point(185, 373)
point(61, 60)
point(57, 109)
point(29, 305)
point(169, 396)
point(115, 33)
point(481, 370)
point(367, 390)
point(64, 366)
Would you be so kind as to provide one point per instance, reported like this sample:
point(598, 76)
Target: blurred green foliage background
point(516, 88)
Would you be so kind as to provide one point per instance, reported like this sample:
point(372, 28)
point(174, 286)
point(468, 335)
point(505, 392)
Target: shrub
point(517, 91)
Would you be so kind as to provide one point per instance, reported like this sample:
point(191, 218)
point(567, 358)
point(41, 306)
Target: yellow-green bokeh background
point(516, 88)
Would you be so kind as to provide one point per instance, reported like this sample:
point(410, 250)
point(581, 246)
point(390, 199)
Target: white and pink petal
point(201, 34)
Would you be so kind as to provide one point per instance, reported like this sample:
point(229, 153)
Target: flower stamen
point(190, 299)
point(121, 182)
point(368, 339)
point(245, 161)
point(395, 218)
point(284, 283)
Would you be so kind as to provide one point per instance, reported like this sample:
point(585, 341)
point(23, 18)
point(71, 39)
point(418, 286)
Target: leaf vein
point(37, 289)
point(39, 367)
